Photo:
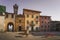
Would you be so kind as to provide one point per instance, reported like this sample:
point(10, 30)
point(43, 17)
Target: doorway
point(20, 28)
point(10, 27)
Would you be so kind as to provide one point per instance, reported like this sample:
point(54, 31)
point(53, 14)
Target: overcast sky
point(47, 7)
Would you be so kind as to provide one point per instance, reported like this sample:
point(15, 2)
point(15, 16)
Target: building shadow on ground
point(45, 33)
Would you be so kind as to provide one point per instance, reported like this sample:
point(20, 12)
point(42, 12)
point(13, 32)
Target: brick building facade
point(45, 23)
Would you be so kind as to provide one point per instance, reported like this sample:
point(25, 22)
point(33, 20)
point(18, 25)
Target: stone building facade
point(9, 21)
point(2, 17)
point(31, 19)
point(13, 21)
point(20, 22)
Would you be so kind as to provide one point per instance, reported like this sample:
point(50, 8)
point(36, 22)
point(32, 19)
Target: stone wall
point(2, 23)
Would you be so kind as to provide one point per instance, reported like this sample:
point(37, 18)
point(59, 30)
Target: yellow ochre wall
point(8, 20)
point(30, 13)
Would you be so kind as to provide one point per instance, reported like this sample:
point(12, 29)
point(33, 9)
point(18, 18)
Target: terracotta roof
point(45, 16)
point(16, 6)
point(20, 15)
point(8, 13)
point(32, 10)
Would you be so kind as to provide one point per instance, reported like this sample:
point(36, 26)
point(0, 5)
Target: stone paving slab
point(12, 36)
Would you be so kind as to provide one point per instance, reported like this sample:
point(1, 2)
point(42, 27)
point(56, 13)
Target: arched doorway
point(20, 28)
point(10, 27)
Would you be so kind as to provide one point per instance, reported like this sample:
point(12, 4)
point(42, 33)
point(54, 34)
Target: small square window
point(42, 26)
point(32, 22)
point(20, 21)
point(45, 22)
point(6, 15)
point(32, 16)
point(37, 17)
point(36, 22)
point(27, 15)
point(45, 17)
point(48, 22)
point(12, 15)
point(27, 22)
point(42, 17)
point(42, 21)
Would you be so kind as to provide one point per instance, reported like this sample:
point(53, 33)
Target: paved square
point(17, 36)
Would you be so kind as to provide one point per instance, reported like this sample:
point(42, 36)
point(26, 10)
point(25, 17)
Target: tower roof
point(16, 6)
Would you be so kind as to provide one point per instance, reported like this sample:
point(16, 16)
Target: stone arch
point(10, 27)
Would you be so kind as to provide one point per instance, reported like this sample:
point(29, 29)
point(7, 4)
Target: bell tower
point(15, 8)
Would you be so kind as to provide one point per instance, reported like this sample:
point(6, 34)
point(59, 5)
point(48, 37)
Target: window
point(45, 17)
point(6, 15)
point(32, 22)
point(32, 16)
point(12, 15)
point(42, 17)
point(37, 17)
point(20, 21)
point(27, 15)
point(42, 21)
point(48, 22)
point(45, 22)
point(27, 22)
point(45, 26)
point(42, 26)
point(36, 22)
point(48, 26)
point(48, 18)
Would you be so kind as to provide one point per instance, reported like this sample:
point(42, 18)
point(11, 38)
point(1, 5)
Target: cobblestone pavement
point(19, 36)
